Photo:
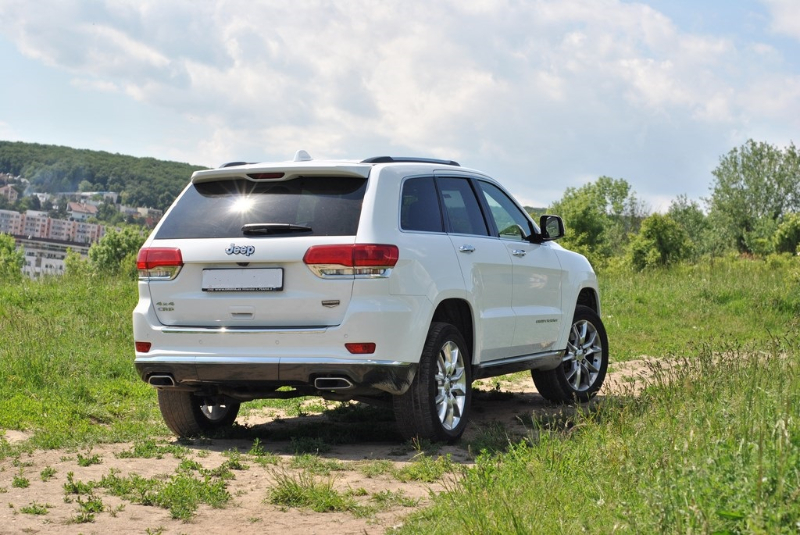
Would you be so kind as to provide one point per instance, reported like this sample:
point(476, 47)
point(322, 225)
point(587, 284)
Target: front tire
point(189, 415)
point(583, 367)
point(436, 405)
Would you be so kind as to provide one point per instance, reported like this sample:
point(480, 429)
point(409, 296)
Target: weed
point(36, 509)
point(181, 493)
point(424, 468)
point(316, 464)
point(20, 481)
point(149, 449)
point(47, 473)
point(262, 456)
point(77, 487)
point(304, 490)
point(388, 498)
point(89, 460)
point(234, 461)
point(376, 468)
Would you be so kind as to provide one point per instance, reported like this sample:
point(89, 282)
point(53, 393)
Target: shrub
point(660, 242)
point(787, 237)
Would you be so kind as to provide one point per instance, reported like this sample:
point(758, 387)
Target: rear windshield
point(328, 206)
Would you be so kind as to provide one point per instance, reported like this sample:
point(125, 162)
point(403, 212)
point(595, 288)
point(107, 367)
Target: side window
point(461, 207)
point(420, 206)
point(509, 219)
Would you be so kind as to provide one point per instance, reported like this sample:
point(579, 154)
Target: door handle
point(519, 252)
point(466, 249)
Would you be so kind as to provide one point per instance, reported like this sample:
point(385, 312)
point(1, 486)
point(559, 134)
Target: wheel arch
point(588, 297)
point(458, 313)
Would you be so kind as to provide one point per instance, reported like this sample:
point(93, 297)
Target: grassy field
point(712, 445)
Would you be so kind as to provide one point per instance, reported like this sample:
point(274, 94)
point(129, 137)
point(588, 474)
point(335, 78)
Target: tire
point(189, 415)
point(436, 406)
point(583, 367)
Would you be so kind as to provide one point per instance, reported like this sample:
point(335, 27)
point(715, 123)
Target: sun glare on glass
point(242, 204)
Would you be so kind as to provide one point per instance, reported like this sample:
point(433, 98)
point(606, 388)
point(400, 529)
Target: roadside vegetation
point(710, 444)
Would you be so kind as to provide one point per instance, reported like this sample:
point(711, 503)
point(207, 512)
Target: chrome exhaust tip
point(161, 380)
point(333, 383)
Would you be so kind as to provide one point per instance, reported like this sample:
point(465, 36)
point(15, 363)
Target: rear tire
point(583, 367)
point(436, 406)
point(189, 415)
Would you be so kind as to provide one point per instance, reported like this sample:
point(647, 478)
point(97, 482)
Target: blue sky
point(542, 94)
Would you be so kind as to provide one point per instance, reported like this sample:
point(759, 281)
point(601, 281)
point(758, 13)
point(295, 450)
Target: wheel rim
point(214, 411)
point(451, 385)
point(584, 358)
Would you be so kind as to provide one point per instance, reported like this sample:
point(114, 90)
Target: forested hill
point(52, 168)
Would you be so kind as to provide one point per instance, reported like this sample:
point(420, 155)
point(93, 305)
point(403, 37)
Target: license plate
point(243, 280)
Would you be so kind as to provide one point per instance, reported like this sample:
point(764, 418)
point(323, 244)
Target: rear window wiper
point(273, 228)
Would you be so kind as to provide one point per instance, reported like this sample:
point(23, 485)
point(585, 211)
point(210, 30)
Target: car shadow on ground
point(358, 431)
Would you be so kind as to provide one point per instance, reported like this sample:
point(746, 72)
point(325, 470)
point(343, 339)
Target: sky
point(542, 95)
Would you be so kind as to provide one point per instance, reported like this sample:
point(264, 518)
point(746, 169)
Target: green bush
point(11, 259)
point(660, 242)
point(787, 237)
point(115, 253)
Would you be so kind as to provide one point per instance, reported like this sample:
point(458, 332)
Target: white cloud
point(541, 92)
point(785, 17)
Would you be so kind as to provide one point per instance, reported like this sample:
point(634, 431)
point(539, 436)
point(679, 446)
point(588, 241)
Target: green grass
point(711, 446)
point(66, 358)
point(304, 490)
point(667, 311)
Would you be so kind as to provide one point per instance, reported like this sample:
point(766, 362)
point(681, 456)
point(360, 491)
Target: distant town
point(46, 225)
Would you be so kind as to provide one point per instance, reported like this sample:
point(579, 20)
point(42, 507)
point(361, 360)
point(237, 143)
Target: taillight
point(367, 260)
point(363, 348)
point(143, 347)
point(159, 263)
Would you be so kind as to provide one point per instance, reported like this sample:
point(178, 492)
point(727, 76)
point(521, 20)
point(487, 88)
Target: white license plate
point(243, 280)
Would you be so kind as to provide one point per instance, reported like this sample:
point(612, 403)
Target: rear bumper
point(203, 371)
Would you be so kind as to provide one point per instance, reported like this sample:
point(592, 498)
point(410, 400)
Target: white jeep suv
point(401, 278)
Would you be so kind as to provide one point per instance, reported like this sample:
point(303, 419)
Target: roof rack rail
point(404, 159)
point(233, 164)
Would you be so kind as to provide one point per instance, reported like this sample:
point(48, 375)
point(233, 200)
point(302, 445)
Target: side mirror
point(552, 227)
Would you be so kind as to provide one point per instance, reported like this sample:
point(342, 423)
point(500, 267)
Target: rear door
point(256, 277)
point(485, 266)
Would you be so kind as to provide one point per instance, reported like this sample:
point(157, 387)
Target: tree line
point(52, 169)
point(753, 208)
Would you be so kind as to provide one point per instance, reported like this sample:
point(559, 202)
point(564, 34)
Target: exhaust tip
point(161, 380)
point(332, 383)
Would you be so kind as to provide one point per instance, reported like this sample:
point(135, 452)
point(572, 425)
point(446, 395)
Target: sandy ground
point(512, 404)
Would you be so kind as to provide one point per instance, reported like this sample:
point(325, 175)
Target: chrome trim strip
point(521, 358)
point(243, 330)
point(199, 359)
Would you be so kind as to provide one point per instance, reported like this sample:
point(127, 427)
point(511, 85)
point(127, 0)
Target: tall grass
point(66, 362)
point(712, 445)
point(666, 311)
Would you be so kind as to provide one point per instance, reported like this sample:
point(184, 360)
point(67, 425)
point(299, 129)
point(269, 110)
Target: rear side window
point(461, 206)
point(329, 206)
point(420, 206)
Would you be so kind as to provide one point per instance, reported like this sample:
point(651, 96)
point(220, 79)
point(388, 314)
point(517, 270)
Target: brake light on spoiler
point(362, 260)
point(159, 263)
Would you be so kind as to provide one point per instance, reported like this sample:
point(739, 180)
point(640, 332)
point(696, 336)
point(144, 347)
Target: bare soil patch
point(501, 406)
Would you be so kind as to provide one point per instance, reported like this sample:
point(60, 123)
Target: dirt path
point(367, 472)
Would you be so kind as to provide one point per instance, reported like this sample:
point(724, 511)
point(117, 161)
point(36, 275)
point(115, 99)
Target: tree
point(11, 259)
point(755, 185)
point(115, 253)
point(599, 216)
point(661, 241)
point(787, 236)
